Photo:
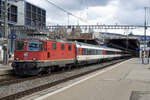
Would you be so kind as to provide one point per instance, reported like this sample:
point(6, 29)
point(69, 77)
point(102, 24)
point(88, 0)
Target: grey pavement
point(128, 81)
point(5, 69)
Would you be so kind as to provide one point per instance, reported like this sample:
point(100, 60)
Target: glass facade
point(35, 16)
point(12, 13)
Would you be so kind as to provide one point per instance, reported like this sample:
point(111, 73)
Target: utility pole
point(127, 40)
point(145, 59)
point(5, 45)
point(68, 18)
point(145, 28)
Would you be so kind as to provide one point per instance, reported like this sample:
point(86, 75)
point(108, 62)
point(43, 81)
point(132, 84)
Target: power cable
point(62, 9)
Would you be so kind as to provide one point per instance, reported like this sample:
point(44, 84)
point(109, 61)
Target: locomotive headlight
point(17, 58)
point(34, 59)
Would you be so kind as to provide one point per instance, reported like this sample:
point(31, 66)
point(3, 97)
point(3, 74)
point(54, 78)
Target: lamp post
point(145, 59)
point(68, 18)
point(5, 45)
point(145, 28)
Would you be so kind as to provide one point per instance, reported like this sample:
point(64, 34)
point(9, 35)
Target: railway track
point(49, 81)
point(5, 78)
point(15, 80)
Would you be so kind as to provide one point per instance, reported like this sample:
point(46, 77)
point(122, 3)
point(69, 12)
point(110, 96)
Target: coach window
point(69, 47)
point(86, 52)
point(100, 52)
point(78, 51)
point(90, 52)
point(62, 47)
point(110, 52)
point(83, 51)
point(96, 52)
point(54, 46)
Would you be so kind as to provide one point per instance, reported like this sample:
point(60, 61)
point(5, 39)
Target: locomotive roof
point(54, 40)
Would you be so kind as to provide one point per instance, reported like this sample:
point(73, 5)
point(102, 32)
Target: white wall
point(21, 13)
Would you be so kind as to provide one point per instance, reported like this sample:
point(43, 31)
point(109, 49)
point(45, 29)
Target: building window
point(35, 16)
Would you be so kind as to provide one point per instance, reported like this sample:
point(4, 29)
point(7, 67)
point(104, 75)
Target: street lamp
point(145, 28)
point(5, 45)
point(145, 59)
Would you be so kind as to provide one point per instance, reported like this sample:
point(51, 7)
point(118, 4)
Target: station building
point(12, 14)
point(30, 15)
point(21, 14)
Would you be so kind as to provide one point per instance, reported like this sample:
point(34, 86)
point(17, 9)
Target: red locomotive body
point(44, 50)
point(34, 54)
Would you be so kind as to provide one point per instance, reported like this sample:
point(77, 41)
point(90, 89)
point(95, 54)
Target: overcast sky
point(96, 11)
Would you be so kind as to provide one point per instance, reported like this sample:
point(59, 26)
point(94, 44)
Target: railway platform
point(128, 80)
point(5, 69)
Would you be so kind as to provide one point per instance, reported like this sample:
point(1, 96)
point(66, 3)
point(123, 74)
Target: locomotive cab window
point(69, 47)
point(19, 45)
point(35, 46)
point(62, 47)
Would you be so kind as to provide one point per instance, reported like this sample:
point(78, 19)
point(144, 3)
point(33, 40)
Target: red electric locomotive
point(32, 57)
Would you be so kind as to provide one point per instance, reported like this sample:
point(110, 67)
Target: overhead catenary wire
point(64, 10)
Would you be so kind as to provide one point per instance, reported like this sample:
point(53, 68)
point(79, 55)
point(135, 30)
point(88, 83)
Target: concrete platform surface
point(129, 80)
point(5, 69)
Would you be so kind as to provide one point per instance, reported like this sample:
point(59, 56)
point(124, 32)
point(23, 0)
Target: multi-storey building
point(30, 15)
point(21, 13)
point(12, 14)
